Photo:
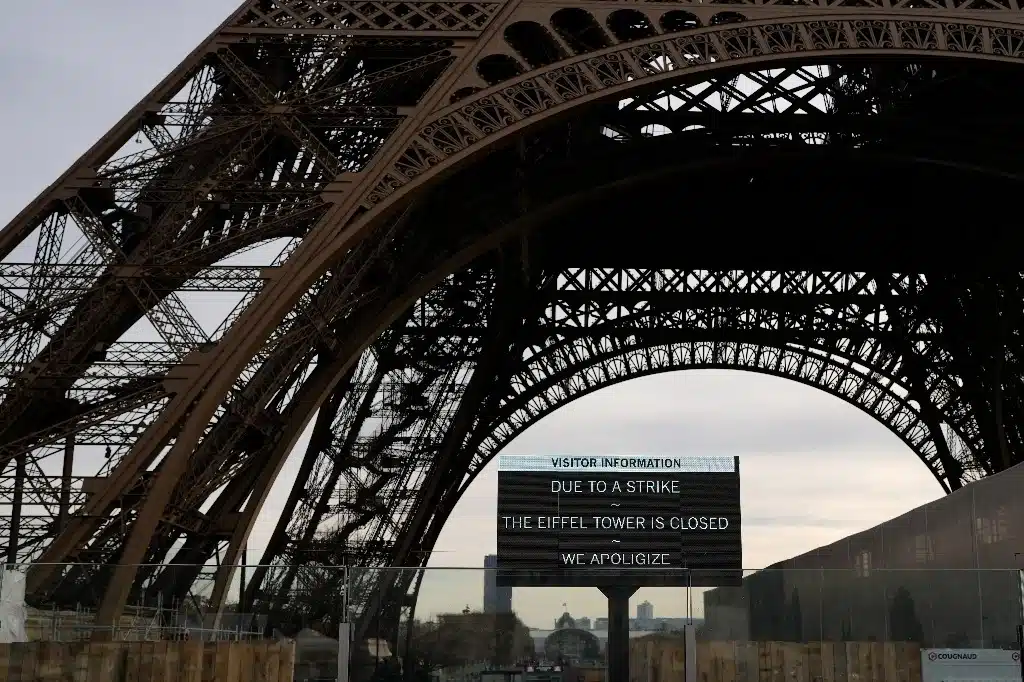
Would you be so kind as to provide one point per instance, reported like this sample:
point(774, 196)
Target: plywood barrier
point(816, 662)
point(661, 658)
point(147, 662)
point(657, 658)
point(588, 674)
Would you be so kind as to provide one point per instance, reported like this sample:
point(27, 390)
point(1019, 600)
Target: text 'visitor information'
point(606, 520)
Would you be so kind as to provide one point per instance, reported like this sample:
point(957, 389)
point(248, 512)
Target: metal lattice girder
point(418, 162)
point(16, 277)
point(212, 168)
point(564, 370)
point(819, 288)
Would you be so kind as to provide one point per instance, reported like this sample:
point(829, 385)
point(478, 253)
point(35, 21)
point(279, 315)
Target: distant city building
point(496, 599)
point(675, 624)
point(543, 638)
point(583, 623)
point(565, 621)
point(569, 643)
point(645, 611)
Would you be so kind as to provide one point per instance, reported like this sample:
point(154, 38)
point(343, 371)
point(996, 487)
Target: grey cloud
point(727, 434)
point(724, 435)
point(687, 413)
point(70, 70)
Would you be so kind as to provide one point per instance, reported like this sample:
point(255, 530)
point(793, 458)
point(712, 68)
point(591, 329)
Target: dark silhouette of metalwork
point(491, 209)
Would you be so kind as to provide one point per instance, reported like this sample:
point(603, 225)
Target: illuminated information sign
point(617, 520)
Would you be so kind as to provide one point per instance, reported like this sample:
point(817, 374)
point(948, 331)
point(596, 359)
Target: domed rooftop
point(565, 621)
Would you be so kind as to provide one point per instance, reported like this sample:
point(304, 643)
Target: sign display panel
point(977, 665)
point(616, 520)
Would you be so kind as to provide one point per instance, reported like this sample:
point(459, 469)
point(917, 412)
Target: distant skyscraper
point(645, 611)
point(496, 599)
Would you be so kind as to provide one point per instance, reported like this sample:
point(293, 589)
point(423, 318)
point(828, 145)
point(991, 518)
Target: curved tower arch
point(415, 298)
point(869, 390)
point(874, 393)
point(872, 376)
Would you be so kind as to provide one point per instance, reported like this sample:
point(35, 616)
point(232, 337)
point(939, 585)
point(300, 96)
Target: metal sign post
point(690, 655)
point(344, 639)
point(617, 647)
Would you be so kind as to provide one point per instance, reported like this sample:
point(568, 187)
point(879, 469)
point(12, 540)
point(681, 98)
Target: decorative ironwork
point(461, 201)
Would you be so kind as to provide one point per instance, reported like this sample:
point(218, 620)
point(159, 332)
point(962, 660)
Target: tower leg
point(618, 632)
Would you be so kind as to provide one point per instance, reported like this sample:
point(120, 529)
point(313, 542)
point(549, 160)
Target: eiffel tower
point(488, 209)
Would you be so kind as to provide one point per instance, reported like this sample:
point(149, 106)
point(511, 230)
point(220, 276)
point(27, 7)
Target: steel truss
point(424, 301)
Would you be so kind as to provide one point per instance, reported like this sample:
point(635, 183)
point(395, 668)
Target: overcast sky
point(814, 468)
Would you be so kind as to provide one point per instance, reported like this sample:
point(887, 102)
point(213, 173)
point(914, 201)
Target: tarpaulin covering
point(12, 607)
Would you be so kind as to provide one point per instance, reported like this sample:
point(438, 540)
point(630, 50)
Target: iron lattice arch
point(600, 327)
point(642, 336)
point(468, 208)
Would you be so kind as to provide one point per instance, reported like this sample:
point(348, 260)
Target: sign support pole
point(690, 652)
point(344, 652)
point(618, 631)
